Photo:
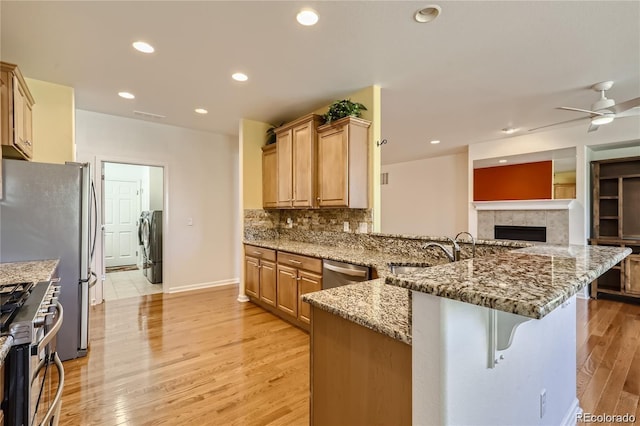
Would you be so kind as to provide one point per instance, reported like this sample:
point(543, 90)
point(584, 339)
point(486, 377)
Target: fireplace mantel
point(524, 205)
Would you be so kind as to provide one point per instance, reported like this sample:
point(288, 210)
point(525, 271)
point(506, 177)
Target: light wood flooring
point(193, 358)
point(202, 358)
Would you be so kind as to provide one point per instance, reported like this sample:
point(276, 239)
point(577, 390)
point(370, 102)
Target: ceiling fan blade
point(557, 124)
point(629, 113)
point(623, 106)
point(581, 110)
point(592, 127)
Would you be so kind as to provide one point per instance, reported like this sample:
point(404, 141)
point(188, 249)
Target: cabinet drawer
point(259, 252)
point(301, 262)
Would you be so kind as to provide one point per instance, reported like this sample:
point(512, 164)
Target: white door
point(121, 211)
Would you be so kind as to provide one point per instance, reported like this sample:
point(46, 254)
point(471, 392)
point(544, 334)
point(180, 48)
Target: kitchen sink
point(406, 269)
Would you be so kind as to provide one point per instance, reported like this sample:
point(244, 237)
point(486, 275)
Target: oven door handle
point(54, 409)
point(54, 330)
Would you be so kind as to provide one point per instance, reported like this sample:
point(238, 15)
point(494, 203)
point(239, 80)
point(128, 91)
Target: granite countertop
point(358, 256)
point(33, 271)
point(5, 345)
point(17, 272)
point(531, 281)
point(372, 304)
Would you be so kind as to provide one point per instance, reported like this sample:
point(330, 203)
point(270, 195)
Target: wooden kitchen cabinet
point(259, 274)
point(308, 283)
point(288, 290)
point(16, 112)
point(269, 177)
point(633, 274)
point(296, 144)
point(343, 163)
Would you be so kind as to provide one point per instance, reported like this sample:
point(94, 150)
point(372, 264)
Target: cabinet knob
point(28, 142)
point(319, 199)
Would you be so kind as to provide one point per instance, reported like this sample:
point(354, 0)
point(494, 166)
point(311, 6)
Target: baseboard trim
point(242, 298)
point(571, 418)
point(200, 286)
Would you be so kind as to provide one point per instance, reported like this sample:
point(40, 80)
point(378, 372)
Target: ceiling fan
point(603, 111)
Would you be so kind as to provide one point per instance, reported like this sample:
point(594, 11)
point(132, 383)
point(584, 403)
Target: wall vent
point(149, 115)
point(384, 178)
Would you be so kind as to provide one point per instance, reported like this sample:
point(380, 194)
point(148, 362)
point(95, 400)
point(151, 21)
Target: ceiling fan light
point(602, 119)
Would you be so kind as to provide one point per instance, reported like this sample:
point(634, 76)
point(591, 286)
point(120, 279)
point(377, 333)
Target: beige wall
point(53, 122)
point(252, 139)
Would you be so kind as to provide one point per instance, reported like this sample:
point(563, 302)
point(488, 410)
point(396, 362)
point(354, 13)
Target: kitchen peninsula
point(494, 338)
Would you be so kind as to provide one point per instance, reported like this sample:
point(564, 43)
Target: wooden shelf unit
point(616, 222)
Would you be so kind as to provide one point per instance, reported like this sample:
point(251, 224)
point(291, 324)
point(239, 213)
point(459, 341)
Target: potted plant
point(343, 108)
point(271, 133)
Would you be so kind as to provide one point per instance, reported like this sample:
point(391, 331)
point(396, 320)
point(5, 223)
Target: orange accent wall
point(528, 181)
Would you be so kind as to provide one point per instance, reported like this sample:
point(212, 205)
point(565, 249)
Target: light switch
point(190, 221)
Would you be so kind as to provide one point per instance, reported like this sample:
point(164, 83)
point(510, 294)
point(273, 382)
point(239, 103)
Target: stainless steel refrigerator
point(49, 211)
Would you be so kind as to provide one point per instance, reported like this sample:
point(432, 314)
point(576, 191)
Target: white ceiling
point(480, 67)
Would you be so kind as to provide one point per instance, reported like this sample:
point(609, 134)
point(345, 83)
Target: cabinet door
point(284, 143)
point(268, 278)
point(288, 290)
point(308, 283)
point(252, 276)
point(18, 114)
point(304, 147)
point(269, 177)
point(333, 163)
point(633, 274)
point(28, 128)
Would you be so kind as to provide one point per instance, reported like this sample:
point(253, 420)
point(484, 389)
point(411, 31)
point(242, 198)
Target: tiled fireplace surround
point(556, 222)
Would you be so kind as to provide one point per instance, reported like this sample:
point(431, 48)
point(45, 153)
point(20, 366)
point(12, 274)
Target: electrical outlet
point(543, 402)
point(345, 226)
point(362, 227)
point(289, 222)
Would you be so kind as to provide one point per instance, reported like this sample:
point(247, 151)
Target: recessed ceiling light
point(126, 95)
point(240, 77)
point(427, 14)
point(435, 142)
point(307, 17)
point(143, 47)
point(201, 110)
point(502, 161)
point(509, 130)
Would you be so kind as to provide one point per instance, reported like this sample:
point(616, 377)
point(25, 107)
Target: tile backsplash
point(272, 223)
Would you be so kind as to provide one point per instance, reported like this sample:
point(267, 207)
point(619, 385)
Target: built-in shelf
point(563, 204)
point(610, 217)
point(609, 197)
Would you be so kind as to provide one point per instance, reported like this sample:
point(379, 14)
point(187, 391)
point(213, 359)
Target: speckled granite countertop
point(5, 345)
point(17, 272)
point(372, 304)
point(355, 255)
point(34, 271)
point(531, 281)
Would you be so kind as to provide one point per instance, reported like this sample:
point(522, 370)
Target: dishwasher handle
point(345, 271)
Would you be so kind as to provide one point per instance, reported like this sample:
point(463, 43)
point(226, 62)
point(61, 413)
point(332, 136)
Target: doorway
point(131, 193)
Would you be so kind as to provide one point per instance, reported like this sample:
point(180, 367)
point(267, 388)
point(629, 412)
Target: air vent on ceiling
point(149, 115)
point(384, 178)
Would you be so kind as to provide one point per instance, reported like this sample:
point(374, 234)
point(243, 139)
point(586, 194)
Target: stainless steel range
point(32, 315)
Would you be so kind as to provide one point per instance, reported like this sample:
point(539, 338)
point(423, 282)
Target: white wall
point(201, 181)
point(425, 197)
point(155, 191)
point(623, 130)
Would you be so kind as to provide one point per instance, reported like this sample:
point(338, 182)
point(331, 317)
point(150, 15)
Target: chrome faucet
point(453, 255)
point(473, 241)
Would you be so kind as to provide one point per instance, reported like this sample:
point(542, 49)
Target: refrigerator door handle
point(95, 220)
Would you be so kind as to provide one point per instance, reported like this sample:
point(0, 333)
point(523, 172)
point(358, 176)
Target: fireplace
point(521, 233)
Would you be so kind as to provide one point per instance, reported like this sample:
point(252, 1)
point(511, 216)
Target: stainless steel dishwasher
point(336, 274)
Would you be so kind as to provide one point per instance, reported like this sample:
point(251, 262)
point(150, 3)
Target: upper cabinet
point(269, 176)
point(296, 144)
point(343, 163)
point(15, 114)
point(317, 166)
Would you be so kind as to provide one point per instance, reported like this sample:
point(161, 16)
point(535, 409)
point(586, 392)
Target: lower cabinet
point(633, 274)
point(2, 392)
point(278, 285)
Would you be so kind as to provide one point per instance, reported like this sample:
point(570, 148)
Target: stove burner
point(12, 297)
